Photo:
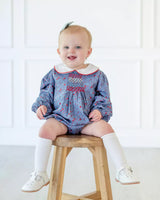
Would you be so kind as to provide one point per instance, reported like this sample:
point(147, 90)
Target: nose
point(71, 50)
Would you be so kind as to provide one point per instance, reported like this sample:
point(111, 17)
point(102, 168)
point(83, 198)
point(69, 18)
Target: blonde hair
point(74, 29)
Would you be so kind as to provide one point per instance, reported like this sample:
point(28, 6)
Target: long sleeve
point(46, 95)
point(102, 98)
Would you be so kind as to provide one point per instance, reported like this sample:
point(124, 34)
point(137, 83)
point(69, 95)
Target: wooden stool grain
point(63, 146)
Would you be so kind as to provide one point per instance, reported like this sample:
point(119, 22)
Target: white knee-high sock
point(42, 152)
point(115, 150)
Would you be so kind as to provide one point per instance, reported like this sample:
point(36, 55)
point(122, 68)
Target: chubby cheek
point(83, 57)
point(63, 56)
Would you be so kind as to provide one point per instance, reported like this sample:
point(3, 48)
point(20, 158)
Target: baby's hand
point(95, 116)
point(41, 111)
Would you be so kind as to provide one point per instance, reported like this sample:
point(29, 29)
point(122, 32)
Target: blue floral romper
point(70, 95)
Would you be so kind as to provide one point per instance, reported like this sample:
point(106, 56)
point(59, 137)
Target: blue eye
point(66, 47)
point(78, 47)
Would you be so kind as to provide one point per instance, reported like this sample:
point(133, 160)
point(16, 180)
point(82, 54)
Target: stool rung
point(93, 195)
point(89, 196)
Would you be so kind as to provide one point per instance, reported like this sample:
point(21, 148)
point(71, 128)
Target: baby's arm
point(46, 95)
point(102, 101)
point(41, 111)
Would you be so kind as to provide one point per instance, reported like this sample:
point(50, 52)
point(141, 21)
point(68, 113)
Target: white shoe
point(36, 182)
point(126, 177)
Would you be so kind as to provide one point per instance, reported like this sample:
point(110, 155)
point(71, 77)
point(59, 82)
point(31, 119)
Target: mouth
point(71, 57)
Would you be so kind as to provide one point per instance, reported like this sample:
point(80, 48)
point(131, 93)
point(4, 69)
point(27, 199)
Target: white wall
point(126, 46)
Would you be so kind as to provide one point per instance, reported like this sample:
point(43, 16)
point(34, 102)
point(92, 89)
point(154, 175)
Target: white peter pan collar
point(61, 68)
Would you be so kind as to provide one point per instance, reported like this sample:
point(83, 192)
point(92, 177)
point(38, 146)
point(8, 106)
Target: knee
point(109, 128)
point(104, 129)
point(47, 133)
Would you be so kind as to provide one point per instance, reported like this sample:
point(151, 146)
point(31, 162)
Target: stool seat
point(77, 141)
point(63, 146)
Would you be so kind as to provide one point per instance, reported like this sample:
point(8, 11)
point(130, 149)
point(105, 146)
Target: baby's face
point(74, 49)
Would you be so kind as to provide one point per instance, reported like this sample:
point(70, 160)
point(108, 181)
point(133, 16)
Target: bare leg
point(52, 128)
point(103, 129)
point(48, 132)
point(99, 128)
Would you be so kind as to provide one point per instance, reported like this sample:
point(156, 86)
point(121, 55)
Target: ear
point(89, 52)
point(58, 51)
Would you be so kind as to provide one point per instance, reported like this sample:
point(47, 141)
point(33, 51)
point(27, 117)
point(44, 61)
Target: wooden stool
point(63, 146)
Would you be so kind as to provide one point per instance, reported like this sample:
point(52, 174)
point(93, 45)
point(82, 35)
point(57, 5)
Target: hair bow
point(67, 25)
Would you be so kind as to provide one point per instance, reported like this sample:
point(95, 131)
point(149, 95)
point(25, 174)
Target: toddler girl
point(74, 98)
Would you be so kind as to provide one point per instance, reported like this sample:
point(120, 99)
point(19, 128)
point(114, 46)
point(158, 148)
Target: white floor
point(17, 162)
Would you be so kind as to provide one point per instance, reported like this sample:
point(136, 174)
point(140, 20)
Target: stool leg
point(57, 173)
point(96, 173)
point(103, 172)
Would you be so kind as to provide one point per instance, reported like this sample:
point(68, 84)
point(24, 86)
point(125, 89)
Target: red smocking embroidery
point(75, 89)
